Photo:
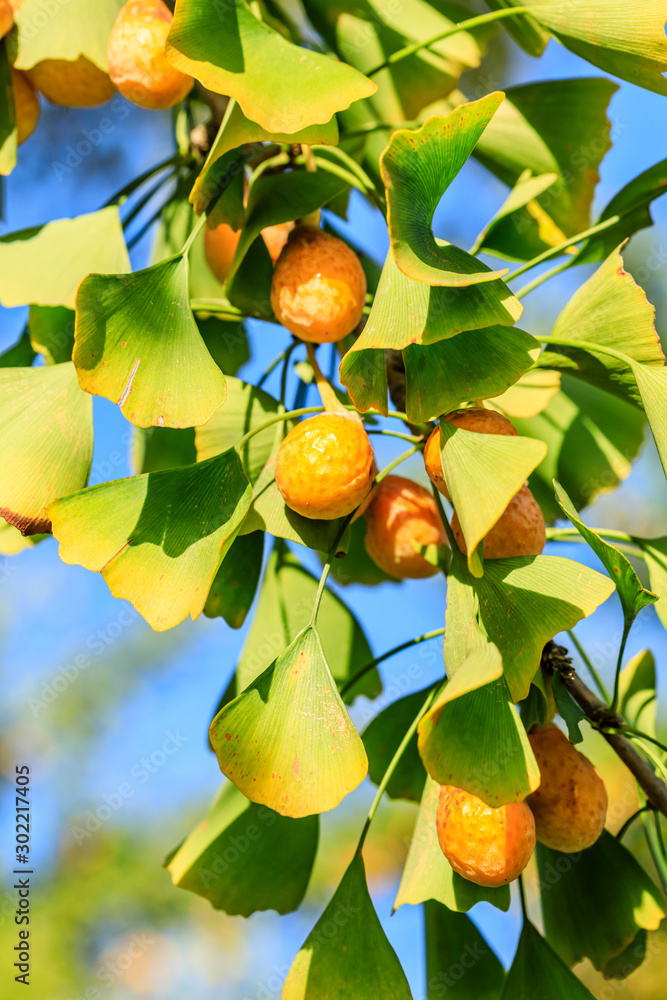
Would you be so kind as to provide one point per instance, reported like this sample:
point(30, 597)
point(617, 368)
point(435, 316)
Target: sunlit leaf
point(655, 554)
point(530, 395)
point(64, 31)
point(417, 168)
point(168, 380)
point(43, 266)
point(523, 29)
point(382, 738)
point(537, 973)
point(233, 589)
point(52, 332)
point(428, 874)
point(243, 857)
point(505, 234)
point(453, 941)
point(8, 133)
point(46, 442)
point(637, 692)
point(155, 449)
point(595, 902)
point(281, 86)
point(12, 541)
point(287, 741)
point(358, 960)
point(157, 539)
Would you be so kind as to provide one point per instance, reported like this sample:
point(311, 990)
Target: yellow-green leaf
point(64, 30)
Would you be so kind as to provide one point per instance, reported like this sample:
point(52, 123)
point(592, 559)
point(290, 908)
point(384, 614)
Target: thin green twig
point(562, 247)
point(349, 684)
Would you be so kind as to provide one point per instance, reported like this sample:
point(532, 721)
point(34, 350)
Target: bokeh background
point(106, 916)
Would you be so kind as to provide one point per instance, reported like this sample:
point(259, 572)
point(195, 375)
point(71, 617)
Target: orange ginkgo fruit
point(318, 290)
point(135, 53)
point(6, 17)
point(570, 805)
point(401, 519)
point(76, 83)
point(487, 846)
point(220, 245)
point(26, 103)
point(324, 467)
point(474, 419)
point(520, 531)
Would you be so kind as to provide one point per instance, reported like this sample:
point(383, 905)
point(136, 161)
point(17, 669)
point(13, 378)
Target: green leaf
point(523, 29)
point(483, 472)
point(170, 380)
point(633, 596)
point(428, 874)
point(637, 692)
point(453, 942)
point(44, 266)
point(245, 409)
point(20, 354)
point(417, 168)
point(635, 49)
point(52, 332)
point(226, 342)
point(233, 589)
point(157, 539)
point(406, 312)
point(12, 541)
point(382, 738)
point(592, 439)
point(568, 709)
point(236, 130)
point(530, 395)
point(555, 126)
point(74, 29)
point(282, 87)
point(503, 234)
point(537, 973)
point(155, 449)
point(652, 385)
point(8, 133)
point(287, 741)
point(243, 857)
point(493, 759)
point(655, 555)
point(357, 566)
point(358, 960)
point(609, 309)
point(521, 603)
point(46, 442)
point(283, 611)
point(595, 902)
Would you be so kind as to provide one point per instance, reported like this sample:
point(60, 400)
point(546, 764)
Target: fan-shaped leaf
point(530, 395)
point(357, 961)
point(235, 584)
point(46, 441)
point(453, 942)
point(504, 234)
point(637, 691)
point(523, 29)
point(243, 857)
point(537, 973)
point(282, 87)
point(8, 132)
point(157, 539)
point(428, 874)
point(168, 380)
point(417, 168)
point(655, 555)
point(382, 738)
point(287, 741)
point(64, 31)
point(44, 266)
point(52, 332)
point(12, 541)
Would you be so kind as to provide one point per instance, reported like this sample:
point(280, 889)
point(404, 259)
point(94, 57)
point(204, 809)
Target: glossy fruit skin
point(570, 805)
point(324, 467)
point(487, 846)
point(520, 531)
point(318, 290)
point(402, 514)
point(475, 419)
point(220, 246)
point(27, 106)
point(135, 53)
point(75, 84)
point(6, 17)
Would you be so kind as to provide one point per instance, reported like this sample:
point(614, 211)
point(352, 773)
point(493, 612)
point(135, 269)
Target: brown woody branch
point(601, 717)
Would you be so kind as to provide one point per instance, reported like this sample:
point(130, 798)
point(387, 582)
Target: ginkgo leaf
point(453, 941)
point(235, 584)
point(46, 442)
point(52, 332)
point(287, 741)
point(12, 541)
point(637, 692)
point(524, 29)
point(537, 973)
point(358, 960)
point(282, 87)
point(428, 874)
point(243, 857)
point(502, 234)
point(235, 131)
point(417, 168)
point(157, 539)
point(483, 472)
point(633, 596)
point(600, 900)
point(8, 131)
point(382, 738)
point(530, 395)
point(168, 380)
point(64, 31)
point(655, 555)
point(44, 266)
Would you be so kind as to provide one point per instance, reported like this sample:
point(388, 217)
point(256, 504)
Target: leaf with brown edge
point(287, 741)
point(46, 442)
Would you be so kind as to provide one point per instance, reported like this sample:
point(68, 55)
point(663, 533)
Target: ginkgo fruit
point(220, 245)
point(474, 419)
point(570, 805)
point(26, 103)
point(6, 17)
point(487, 846)
point(318, 290)
point(520, 531)
point(76, 83)
point(402, 519)
point(324, 467)
point(276, 237)
point(135, 53)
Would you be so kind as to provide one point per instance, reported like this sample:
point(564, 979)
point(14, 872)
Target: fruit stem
point(562, 247)
point(522, 897)
point(327, 567)
point(416, 439)
point(329, 398)
point(545, 276)
point(627, 625)
point(196, 229)
point(349, 684)
point(392, 767)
